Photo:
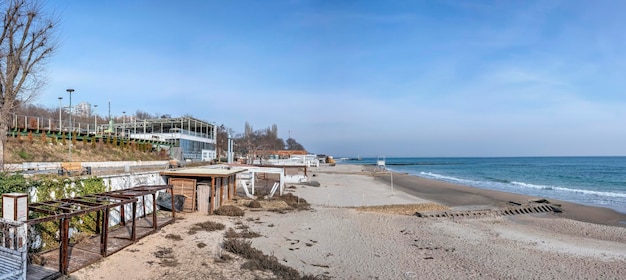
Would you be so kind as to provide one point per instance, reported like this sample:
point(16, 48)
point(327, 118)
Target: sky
point(359, 78)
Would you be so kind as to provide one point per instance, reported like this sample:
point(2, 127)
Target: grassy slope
point(22, 150)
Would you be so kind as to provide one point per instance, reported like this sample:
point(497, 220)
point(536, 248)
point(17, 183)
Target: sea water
point(595, 181)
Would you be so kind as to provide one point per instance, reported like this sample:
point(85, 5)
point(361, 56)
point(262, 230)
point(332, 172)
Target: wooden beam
point(104, 237)
point(122, 215)
point(154, 210)
point(212, 196)
point(98, 219)
point(221, 191)
point(64, 228)
point(133, 233)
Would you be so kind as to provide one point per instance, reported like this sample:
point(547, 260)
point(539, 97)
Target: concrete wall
point(57, 165)
point(129, 180)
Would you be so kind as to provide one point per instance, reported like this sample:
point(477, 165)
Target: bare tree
point(141, 115)
point(222, 134)
point(292, 144)
point(25, 43)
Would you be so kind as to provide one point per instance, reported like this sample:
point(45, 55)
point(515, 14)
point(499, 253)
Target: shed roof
point(202, 172)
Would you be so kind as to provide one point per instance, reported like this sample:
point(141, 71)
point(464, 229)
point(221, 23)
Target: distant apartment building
point(82, 109)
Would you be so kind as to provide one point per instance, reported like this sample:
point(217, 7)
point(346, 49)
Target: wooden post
point(173, 209)
point(143, 203)
point(133, 233)
point(154, 209)
point(234, 186)
point(221, 191)
point(229, 193)
point(122, 215)
point(64, 227)
point(104, 245)
point(212, 196)
point(98, 222)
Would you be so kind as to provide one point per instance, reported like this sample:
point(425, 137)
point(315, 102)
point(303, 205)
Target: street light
point(124, 124)
point(60, 107)
point(110, 120)
point(95, 122)
point(69, 147)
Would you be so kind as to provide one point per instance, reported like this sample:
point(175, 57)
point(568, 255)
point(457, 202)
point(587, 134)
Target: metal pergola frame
point(63, 210)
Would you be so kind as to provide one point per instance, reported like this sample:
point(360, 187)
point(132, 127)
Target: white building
point(189, 138)
point(82, 109)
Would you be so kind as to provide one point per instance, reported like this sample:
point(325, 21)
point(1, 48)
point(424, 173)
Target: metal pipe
point(60, 107)
point(69, 146)
point(95, 121)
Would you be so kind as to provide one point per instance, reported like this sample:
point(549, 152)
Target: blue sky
point(368, 78)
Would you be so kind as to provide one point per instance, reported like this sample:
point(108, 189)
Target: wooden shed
point(205, 188)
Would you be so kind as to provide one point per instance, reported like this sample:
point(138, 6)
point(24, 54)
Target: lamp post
point(229, 156)
point(110, 121)
point(124, 124)
point(60, 107)
point(95, 121)
point(69, 147)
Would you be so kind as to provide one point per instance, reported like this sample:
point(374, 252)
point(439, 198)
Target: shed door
point(186, 187)
point(204, 197)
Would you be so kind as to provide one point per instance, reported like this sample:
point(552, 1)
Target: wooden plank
point(212, 197)
point(187, 188)
point(204, 192)
point(221, 191)
point(64, 228)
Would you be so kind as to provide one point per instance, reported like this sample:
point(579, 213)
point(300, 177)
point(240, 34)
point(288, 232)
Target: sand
point(345, 236)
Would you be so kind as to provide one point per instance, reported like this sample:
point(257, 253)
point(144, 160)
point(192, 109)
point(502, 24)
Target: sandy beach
point(345, 236)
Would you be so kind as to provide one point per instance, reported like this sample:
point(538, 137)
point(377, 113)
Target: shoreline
point(455, 195)
point(337, 238)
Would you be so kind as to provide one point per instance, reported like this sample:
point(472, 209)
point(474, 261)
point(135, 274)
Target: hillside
point(37, 150)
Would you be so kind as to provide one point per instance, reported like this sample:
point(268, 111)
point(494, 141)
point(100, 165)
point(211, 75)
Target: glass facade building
point(188, 138)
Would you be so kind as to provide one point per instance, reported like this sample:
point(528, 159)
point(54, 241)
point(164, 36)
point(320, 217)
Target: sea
point(595, 181)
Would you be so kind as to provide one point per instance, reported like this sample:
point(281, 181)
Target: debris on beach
point(514, 208)
point(403, 209)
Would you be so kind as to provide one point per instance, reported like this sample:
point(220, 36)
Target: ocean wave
point(563, 189)
point(421, 163)
point(533, 186)
point(445, 178)
point(501, 185)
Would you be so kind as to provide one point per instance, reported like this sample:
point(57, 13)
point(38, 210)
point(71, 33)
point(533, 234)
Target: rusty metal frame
point(63, 210)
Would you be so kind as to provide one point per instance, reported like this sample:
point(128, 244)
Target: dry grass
point(259, 261)
point(245, 233)
point(24, 151)
point(166, 255)
point(295, 202)
point(174, 237)
point(229, 210)
point(206, 226)
point(255, 204)
point(403, 209)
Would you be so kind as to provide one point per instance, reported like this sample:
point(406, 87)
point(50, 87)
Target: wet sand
point(455, 195)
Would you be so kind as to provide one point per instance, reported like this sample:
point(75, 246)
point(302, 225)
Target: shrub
point(255, 204)
point(231, 233)
point(258, 260)
point(294, 201)
point(206, 226)
point(229, 210)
